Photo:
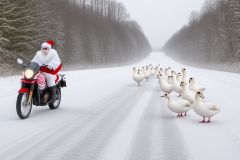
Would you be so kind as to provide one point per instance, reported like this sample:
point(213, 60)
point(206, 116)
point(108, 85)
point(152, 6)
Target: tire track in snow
point(87, 143)
point(173, 144)
point(97, 107)
point(120, 143)
point(141, 146)
point(158, 137)
point(34, 140)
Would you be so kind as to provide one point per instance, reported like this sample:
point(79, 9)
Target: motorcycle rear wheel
point(56, 104)
point(23, 109)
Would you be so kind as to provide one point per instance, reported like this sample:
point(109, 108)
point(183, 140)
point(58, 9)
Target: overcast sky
point(161, 18)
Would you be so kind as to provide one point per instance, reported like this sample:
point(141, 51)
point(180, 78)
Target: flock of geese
point(189, 92)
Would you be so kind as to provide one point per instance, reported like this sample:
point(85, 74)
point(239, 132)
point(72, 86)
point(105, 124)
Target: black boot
point(53, 94)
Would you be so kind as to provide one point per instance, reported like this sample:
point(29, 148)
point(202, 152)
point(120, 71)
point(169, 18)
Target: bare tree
point(215, 34)
point(89, 32)
point(121, 13)
point(194, 18)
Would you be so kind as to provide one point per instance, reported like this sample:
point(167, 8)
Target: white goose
point(194, 87)
point(176, 85)
point(179, 107)
point(138, 76)
point(164, 73)
point(168, 71)
point(164, 85)
point(152, 70)
point(169, 80)
point(179, 77)
point(146, 73)
point(156, 71)
point(173, 73)
point(187, 94)
point(185, 77)
point(204, 109)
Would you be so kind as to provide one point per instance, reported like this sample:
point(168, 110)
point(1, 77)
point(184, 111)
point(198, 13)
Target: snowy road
point(105, 116)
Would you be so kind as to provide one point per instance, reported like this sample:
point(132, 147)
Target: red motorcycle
point(34, 90)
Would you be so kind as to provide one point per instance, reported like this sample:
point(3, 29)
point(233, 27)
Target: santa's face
point(45, 50)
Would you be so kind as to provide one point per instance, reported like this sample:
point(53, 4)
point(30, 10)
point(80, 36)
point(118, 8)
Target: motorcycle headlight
point(28, 74)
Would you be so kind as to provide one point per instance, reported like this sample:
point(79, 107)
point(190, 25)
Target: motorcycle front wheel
point(22, 107)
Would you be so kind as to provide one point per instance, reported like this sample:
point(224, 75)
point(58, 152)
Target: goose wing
point(211, 106)
point(184, 103)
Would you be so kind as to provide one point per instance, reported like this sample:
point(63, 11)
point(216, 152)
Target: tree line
point(87, 32)
point(212, 35)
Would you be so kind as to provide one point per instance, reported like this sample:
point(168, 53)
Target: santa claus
point(50, 64)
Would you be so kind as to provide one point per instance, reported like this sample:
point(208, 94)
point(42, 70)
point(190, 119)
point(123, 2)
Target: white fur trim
point(46, 45)
point(51, 58)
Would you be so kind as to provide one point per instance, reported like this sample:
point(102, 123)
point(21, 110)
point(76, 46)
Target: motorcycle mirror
point(20, 61)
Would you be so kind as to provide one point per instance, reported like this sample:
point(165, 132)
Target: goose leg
point(203, 121)
point(180, 95)
point(185, 114)
point(138, 83)
point(208, 120)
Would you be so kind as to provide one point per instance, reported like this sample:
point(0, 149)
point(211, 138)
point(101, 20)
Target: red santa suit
point(50, 62)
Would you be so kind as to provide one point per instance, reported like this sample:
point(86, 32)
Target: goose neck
point(197, 99)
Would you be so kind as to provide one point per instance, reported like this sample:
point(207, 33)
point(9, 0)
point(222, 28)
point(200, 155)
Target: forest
point(87, 33)
point(212, 37)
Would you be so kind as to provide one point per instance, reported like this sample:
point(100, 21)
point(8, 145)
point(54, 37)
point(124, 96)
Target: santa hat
point(51, 42)
point(48, 44)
